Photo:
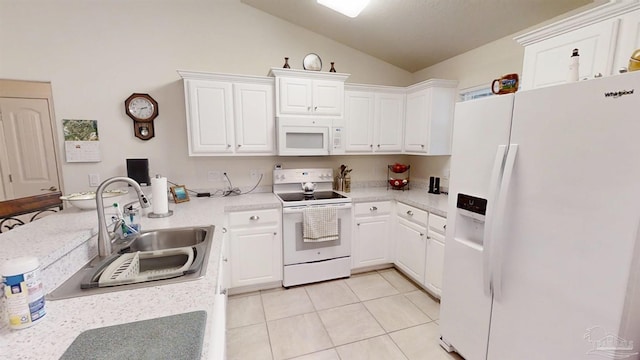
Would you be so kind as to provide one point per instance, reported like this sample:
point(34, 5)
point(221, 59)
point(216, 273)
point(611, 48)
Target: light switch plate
point(94, 180)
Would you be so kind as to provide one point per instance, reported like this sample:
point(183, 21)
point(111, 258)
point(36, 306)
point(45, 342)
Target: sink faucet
point(104, 239)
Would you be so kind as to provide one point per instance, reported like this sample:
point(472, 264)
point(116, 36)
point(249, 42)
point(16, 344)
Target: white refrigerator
point(542, 256)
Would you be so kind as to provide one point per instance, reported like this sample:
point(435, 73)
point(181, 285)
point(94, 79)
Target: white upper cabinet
point(359, 108)
point(228, 114)
point(254, 118)
point(309, 93)
point(389, 122)
point(429, 117)
point(605, 37)
point(209, 107)
point(374, 119)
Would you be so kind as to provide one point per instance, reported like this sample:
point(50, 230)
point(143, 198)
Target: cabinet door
point(225, 277)
point(628, 40)
point(359, 112)
point(295, 96)
point(256, 256)
point(547, 62)
point(328, 97)
point(411, 249)
point(371, 239)
point(254, 118)
point(435, 262)
point(389, 122)
point(209, 117)
point(417, 121)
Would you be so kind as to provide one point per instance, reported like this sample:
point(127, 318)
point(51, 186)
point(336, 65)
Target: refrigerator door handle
point(494, 189)
point(498, 230)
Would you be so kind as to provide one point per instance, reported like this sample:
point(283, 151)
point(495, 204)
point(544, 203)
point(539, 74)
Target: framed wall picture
point(179, 193)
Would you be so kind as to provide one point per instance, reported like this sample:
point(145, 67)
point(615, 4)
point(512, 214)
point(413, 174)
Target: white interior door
point(29, 166)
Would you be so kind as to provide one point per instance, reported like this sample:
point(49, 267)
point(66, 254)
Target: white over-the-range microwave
point(298, 136)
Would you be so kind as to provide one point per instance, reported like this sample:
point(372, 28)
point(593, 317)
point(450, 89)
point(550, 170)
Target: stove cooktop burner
point(318, 195)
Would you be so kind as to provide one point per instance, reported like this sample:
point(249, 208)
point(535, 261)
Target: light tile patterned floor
point(375, 315)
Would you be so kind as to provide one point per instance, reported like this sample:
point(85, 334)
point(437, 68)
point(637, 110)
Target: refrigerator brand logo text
point(608, 345)
point(617, 94)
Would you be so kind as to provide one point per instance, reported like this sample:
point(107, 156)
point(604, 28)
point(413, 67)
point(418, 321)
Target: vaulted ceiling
point(414, 34)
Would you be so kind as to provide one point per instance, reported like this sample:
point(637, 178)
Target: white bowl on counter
point(87, 200)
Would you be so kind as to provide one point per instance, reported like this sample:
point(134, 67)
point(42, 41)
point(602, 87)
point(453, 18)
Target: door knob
point(254, 217)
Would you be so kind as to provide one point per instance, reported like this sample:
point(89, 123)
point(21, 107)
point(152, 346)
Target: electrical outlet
point(213, 176)
point(94, 180)
point(255, 174)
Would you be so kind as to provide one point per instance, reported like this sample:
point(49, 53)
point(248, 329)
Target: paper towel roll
point(159, 195)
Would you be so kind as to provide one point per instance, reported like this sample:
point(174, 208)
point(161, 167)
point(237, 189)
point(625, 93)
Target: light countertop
point(64, 242)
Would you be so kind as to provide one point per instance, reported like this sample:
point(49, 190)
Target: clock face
point(141, 107)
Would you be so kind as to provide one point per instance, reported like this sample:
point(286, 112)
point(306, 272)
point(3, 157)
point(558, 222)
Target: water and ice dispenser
point(470, 216)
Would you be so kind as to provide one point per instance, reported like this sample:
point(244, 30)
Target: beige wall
point(96, 53)
point(479, 66)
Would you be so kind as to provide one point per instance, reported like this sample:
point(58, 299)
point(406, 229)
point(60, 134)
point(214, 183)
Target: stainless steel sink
point(198, 239)
point(165, 239)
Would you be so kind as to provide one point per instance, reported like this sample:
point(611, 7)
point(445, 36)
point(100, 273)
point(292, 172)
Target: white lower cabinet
point(371, 243)
point(255, 243)
point(411, 248)
point(434, 263)
point(420, 246)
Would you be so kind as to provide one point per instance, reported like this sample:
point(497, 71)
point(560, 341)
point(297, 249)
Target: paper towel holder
point(154, 215)
point(163, 189)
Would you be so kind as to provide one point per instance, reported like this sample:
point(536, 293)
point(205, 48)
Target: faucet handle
point(144, 202)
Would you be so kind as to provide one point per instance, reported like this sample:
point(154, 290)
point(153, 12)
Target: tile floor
point(374, 315)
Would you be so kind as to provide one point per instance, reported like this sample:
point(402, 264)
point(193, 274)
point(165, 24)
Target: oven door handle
point(299, 209)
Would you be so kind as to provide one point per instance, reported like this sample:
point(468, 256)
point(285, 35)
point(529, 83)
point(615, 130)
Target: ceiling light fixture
point(350, 8)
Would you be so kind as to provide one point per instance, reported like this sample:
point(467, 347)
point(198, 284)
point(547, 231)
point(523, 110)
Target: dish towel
point(319, 224)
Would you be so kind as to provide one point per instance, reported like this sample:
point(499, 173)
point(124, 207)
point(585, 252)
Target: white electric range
point(308, 262)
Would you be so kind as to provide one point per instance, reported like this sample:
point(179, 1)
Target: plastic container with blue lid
point(24, 291)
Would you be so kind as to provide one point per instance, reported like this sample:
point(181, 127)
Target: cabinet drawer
point(372, 208)
point(414, 214)
point(437, 223)
point(254, 218)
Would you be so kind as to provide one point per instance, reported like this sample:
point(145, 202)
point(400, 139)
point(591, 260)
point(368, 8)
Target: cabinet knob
point(409, 212)
point(422, 146)
point(225, 259)
point(309, 109)
point(371, 145)
point(597, 75)
point(254, 217)
point(239, 145)
point(373, 208)
point(428, 237)
point(444, 226)
point(275, 233)
point(358, 224)
point(228, 146)
point(421, 235)
point(315, 108)
point(224, 230)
